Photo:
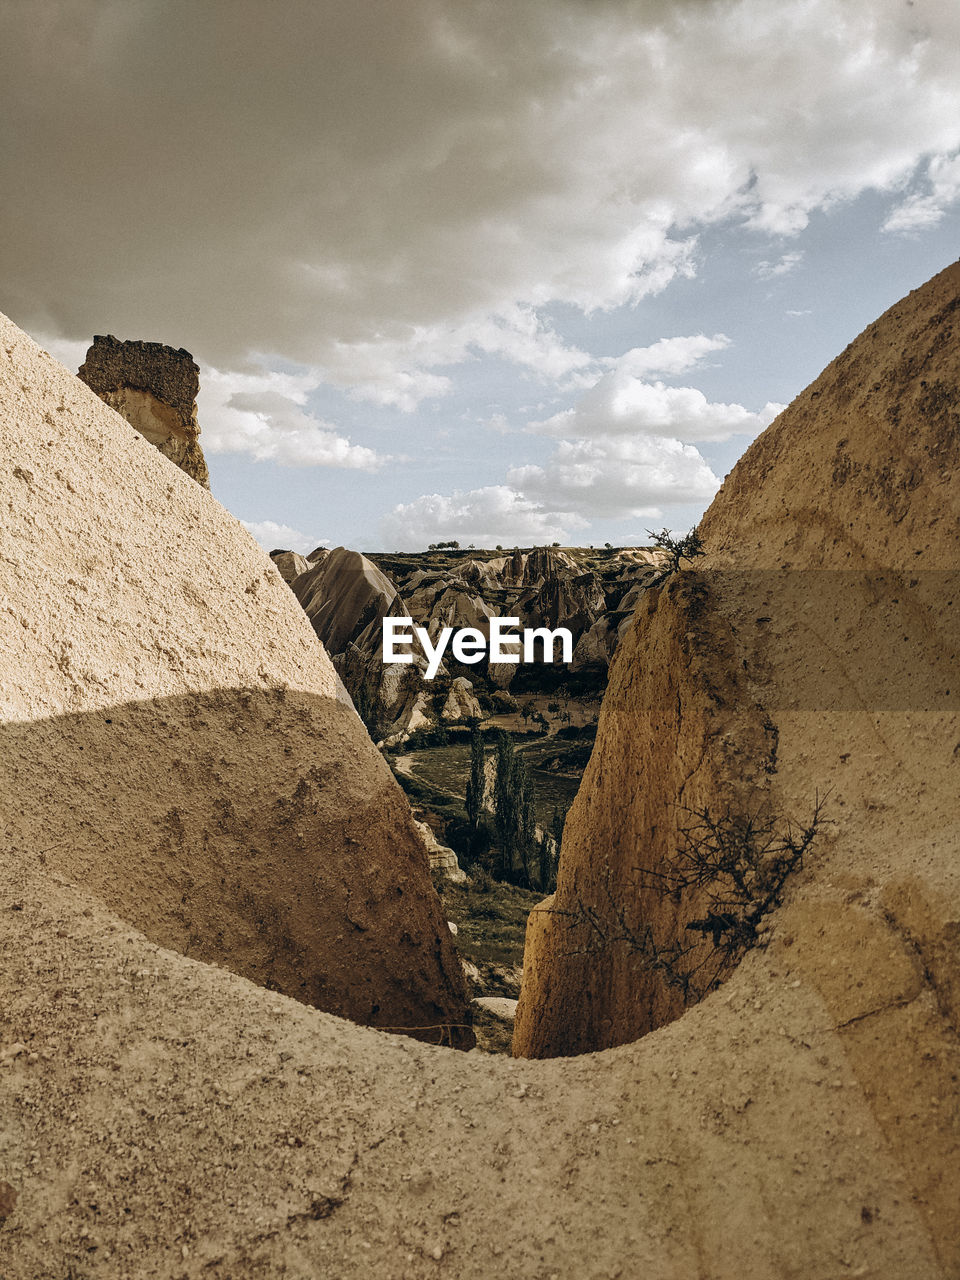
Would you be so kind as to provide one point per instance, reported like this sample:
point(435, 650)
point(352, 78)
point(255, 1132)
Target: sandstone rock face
point(164, 1117)
point(155, 388)
point(816, 652)
point(290, 565)
point(442, 857)
point(460, 704)
point(188, 760)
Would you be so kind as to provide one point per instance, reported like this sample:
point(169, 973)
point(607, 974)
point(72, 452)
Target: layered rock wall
point(155, 388)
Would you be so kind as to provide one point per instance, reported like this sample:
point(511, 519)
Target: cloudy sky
point(496, 270)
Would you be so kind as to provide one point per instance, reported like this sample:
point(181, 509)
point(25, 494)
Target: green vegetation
point(513, 815)
point(491, 920)
point(514, 839)
point(476, 782)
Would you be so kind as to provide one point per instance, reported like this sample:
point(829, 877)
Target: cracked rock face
point(155, 388)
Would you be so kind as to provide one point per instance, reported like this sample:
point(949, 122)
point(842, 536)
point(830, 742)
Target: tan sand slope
point(171, 735)
point(165, 1118)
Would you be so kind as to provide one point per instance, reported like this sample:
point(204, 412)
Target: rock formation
point(190, 762)
point(460, 704)
point(442, 857)
point(163, 1117)
point(290, 565)
point(346, 595)
point(815, 653)
point(858, 477)
point(155, 388)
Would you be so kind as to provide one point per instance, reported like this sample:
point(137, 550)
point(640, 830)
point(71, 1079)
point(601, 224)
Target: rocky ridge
point(199, 769)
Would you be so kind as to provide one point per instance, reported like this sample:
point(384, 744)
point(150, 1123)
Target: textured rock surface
point(290, 565)
point(442, 857)
point(169, 1119)
point(165, 1118)
point(720, 672)
point(155, 388)
point(755, 686)
point(346, 598)
point(460, 704)
point(750, 687)
point(187, 759)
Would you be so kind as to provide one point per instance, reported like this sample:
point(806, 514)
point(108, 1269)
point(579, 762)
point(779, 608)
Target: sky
point(505, 271)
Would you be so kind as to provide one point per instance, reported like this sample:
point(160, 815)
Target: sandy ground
point(167, 1118)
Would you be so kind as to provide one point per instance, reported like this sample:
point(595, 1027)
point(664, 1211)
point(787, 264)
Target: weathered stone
point(442, 857)
point(155, 388)
point(460, 704)
point(810, 657)
point(290, 565)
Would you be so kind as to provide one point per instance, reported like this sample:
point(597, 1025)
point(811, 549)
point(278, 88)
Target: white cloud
point(621, 402)
point(669, 355)
point(781, 267)
point(498, 423)
point(262, 415)
point(374, 190)
point(495, 514)
point(617, 477)
point(399, 372)
point(280, 537)
point(584, 480)
point(623, 405)
point(925, 209)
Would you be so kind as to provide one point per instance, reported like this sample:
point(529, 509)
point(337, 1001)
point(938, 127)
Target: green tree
point(675, 550)
point(513, 814)
point(504, 803)
point(547, 862)
point(476, 781)
point(526, 822)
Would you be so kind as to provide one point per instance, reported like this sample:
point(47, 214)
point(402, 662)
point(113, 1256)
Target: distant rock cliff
point(155, 388)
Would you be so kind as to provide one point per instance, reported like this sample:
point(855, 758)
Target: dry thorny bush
point(736, 865)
